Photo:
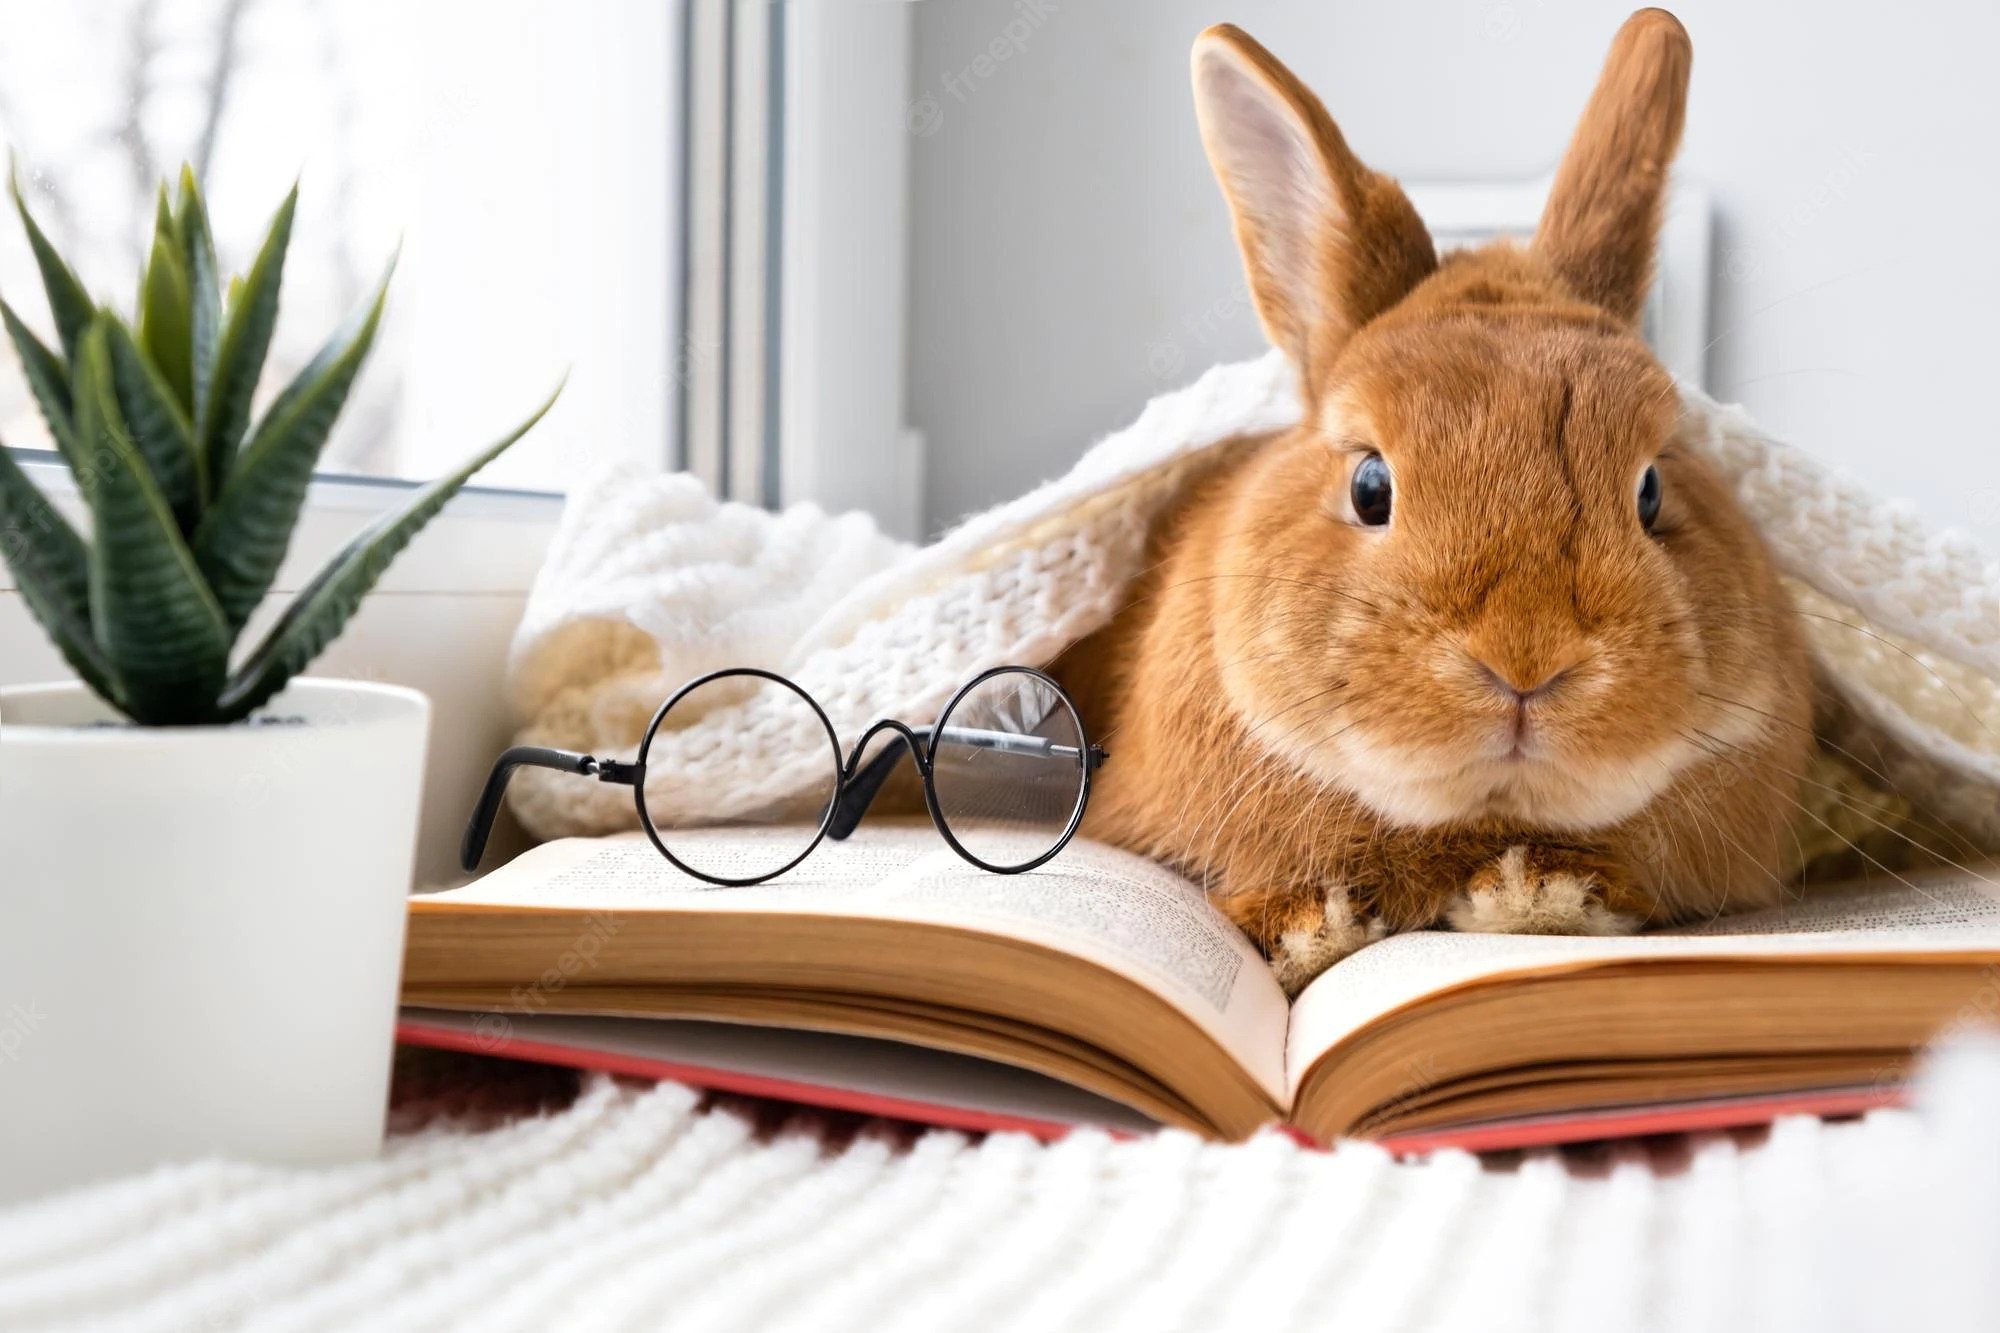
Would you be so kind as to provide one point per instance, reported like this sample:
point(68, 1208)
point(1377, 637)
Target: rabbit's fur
point(1512, 707)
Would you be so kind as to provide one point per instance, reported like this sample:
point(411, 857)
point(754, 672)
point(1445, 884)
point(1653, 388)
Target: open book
point(885, 974)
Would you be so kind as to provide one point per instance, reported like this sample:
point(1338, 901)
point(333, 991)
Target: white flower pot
point(201, 929)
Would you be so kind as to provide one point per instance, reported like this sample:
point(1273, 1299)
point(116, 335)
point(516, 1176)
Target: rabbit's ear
point(1328, 243)
point(1603, 214)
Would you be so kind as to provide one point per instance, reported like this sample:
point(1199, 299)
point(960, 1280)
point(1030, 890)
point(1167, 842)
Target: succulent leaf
point(243, 539)
point(204, 300)
point(52, 568)
point(164, 226)
point(69, 303)
point(48, 380)
point(319, 613)
point(165, 315)
point(158, 427)
point(150, 611)
point(246, 339)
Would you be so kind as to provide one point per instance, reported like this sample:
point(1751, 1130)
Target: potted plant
point(203, 857)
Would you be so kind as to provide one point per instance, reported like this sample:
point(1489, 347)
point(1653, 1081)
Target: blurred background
point(913, 257)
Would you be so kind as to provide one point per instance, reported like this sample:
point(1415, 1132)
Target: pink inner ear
point(1266, 155)
point(1276, 180)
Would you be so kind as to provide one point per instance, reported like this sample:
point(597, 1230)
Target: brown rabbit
point(1478, 643)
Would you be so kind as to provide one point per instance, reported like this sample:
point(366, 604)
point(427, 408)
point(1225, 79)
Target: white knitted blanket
point(638, 1208)
point(651, 582)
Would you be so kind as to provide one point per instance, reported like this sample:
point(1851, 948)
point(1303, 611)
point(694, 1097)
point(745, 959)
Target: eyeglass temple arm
point(480, 827)
point(861, 790)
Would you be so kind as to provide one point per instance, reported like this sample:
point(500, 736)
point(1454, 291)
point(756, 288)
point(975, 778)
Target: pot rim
point(393, 702)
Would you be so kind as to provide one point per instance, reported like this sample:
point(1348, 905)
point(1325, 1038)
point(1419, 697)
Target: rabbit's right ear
point(1604, 209)
point(1328, 243)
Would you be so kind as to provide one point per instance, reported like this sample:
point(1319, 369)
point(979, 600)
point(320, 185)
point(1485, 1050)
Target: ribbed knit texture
point(651, 582)
point(639, 1208)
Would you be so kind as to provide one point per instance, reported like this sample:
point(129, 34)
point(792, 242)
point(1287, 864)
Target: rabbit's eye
point(1649, 498)
point(1370, 491)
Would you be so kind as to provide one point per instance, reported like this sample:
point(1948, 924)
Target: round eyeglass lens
point(1008, 769)
point(717, 737)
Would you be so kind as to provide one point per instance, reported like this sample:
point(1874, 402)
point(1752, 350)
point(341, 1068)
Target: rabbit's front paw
point(1541, 891)
point(1320, 935)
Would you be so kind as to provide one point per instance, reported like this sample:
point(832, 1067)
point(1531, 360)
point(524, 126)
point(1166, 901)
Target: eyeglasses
point(1006, 774)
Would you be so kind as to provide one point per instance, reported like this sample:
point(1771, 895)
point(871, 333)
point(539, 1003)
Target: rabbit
point(1478, 644)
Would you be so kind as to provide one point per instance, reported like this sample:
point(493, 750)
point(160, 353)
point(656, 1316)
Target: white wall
point(1070, 255)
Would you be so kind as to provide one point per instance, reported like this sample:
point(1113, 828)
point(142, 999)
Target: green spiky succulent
point(192, 503)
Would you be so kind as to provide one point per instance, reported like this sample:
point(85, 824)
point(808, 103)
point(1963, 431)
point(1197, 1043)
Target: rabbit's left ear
point(1328, 244)
point(1603, 215)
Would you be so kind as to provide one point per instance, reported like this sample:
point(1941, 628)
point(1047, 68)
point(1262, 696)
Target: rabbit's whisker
point(1803, 809)
point(1930, 821)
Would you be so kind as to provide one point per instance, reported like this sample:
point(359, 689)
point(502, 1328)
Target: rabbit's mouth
point(1523, 770)
point(1521, 780)
point(1551, 757)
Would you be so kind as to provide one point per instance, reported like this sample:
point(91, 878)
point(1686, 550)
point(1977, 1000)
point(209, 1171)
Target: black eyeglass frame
point(855, 786)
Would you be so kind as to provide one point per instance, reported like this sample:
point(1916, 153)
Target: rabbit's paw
point(1538, 891)
point(1319, 936)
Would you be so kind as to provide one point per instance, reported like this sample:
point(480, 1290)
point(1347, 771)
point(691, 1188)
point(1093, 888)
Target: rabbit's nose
point(1518, 683)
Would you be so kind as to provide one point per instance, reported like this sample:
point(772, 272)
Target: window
point(697, 207)
point(524, 154)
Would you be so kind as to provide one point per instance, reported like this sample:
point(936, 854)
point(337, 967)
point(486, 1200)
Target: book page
point(1117, 910)
point(1936, 913)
